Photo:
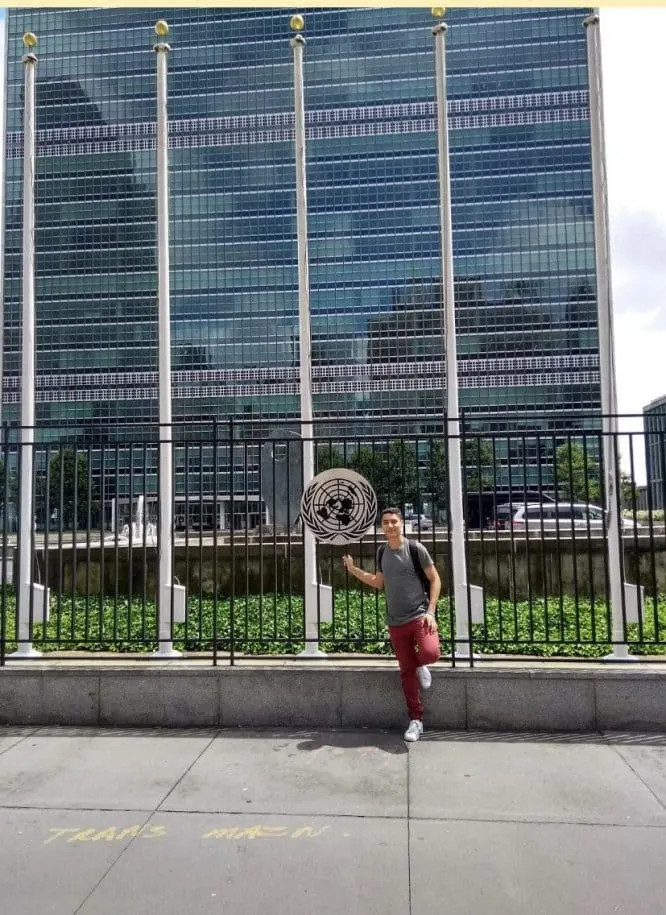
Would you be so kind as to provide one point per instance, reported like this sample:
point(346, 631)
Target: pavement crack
point(113, 863)
point(409, 837)
point(187, 770)
point(638, 775)
point(542, 821)
point(21, 738)
point(82, 809)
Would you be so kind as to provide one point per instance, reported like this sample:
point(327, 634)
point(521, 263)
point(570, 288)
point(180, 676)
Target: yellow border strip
point(368, 4)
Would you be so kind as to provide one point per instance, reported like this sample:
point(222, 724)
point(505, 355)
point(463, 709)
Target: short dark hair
point(391, 510)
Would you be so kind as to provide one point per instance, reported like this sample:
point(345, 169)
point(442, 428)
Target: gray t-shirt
point(405, 597)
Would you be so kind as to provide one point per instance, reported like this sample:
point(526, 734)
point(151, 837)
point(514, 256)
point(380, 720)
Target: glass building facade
point(523, 241)
point(654, 424)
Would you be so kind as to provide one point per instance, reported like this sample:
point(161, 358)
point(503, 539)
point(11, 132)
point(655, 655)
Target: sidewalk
point(99, 821)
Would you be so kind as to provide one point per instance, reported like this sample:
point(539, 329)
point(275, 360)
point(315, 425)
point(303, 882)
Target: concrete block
point(129, 699)
point(20, 696)
point(190, 701)
point(373, 699)
point(530, 703)
point(71, 699)
point(292, 697)
point(446, 701)
point(631, 702)
point(28, 697)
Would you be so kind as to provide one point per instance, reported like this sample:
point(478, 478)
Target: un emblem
point(339, 505)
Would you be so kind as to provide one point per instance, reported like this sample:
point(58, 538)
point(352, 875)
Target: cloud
point(640, 243)
point(639, 269)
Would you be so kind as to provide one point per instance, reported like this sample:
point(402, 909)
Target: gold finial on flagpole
point(30, 40)
point(297, 23)
point(438, 11)
point(161, 28)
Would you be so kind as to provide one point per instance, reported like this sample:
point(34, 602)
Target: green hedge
point(274, 626)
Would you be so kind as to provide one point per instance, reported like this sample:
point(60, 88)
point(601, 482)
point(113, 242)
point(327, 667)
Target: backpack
point(416, 562)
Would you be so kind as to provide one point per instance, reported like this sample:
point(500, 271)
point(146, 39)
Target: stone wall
point(504, 567)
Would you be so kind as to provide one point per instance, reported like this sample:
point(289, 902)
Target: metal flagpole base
point(312, 650)
point(166, 650)
point(621, 653)
point(25, 651)
point(463, 653)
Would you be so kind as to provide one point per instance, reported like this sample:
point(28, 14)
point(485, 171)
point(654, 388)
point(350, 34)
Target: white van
point(553, 516)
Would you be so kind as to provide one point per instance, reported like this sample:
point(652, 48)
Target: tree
point(477, 469)
point(401, 478)
point(478, 459)
point(8, 483)
point(577, 473)
point(390, 469)
point(71, 488)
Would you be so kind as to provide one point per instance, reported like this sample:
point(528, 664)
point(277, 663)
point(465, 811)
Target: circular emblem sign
point(339, 505)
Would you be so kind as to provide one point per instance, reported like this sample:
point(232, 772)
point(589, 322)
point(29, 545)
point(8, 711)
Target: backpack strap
point(380, 556)
point(418, 568)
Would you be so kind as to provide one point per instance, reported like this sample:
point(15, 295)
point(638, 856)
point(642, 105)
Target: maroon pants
point(414, 646)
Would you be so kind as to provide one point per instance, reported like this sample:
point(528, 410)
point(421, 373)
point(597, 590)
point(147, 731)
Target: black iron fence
point(536, 540)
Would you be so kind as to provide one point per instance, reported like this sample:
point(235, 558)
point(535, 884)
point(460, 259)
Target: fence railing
point(535, 535)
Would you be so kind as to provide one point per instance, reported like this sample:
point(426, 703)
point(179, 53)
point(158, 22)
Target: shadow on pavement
point(628, 738)
point(310, 740)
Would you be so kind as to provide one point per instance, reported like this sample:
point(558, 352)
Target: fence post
point(215, 528)
point(3, 572)
point(25, 590)
point(606, 343)
point(457, 524)
point(232, 596)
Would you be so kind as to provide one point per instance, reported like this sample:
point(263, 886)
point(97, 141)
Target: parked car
point(552, 516)
point(415, 523)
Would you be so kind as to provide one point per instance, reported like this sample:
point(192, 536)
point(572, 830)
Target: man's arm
point(432, 575)
point(373, 581)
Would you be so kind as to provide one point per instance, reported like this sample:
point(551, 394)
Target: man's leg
point(403, 639)
point(428, 646)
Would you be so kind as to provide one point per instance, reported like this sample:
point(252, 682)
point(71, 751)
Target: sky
point(634, 70)
point(634, 73)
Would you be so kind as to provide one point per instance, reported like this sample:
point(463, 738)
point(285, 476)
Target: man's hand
point(429, 622)
point(348, 562)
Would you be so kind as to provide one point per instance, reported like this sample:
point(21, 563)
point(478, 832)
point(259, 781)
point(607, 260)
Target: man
point(410, 612)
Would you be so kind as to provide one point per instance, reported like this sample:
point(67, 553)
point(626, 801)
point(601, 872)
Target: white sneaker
point(424, 677)
point(414, 731)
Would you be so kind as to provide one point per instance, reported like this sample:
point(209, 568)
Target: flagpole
point(165, 647)
point(3, 238)
point(26, 516)
point(609, 419)
point(454, 451)
point(297, 42)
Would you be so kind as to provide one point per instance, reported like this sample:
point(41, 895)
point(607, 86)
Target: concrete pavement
point(101, 821)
